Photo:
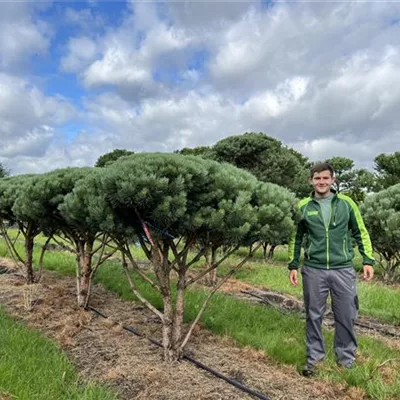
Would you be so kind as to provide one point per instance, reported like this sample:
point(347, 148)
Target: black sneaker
point(308, 370)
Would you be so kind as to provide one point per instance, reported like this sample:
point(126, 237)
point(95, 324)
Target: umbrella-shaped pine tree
point(170, 203)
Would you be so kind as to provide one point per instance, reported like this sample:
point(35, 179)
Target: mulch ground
point(105, 353)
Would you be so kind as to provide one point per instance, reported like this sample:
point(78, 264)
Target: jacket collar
point(333, 191)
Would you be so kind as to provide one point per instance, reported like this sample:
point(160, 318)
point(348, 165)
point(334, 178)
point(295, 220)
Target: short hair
point(317, 168)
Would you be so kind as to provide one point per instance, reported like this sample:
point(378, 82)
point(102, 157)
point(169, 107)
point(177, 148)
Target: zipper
point(344, 250)
point(327, 239)
point(326, 233)
point(334, 215)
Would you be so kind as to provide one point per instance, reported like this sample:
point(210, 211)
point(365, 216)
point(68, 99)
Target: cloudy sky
point(79, 79)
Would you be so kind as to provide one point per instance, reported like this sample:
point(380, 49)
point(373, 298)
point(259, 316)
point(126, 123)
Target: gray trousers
point(341, 285)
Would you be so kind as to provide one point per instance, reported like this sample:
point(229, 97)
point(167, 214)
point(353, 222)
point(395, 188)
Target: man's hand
point(293, 277)
point(368, 272)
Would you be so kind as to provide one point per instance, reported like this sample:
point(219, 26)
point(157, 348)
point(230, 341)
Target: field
point(260, 346)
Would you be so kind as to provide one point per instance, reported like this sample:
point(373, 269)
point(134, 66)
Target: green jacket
point(328, 246)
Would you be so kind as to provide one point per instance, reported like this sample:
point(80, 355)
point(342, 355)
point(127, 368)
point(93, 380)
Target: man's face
point(322, 182)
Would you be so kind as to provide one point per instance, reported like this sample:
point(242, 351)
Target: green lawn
point(33, 368)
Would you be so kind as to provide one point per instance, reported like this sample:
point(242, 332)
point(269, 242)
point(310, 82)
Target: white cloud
point(142, 16)
point(86, 18)
point(362, 151)
point(274, 103)
point(319, 76)
point(129, 56)
point(28, 117)
point(124, 63)
point(82, 151)
point(165, 124)
point(33, 143)
point(21, 35)
point(118, 67)
point(313, 39)
point(204, 16)
point(359, 101)
point(81, 52)
point(338, 116)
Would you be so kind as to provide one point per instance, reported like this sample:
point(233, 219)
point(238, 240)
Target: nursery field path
point(105, 353)
point(365, 324)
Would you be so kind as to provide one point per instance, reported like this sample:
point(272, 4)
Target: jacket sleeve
point(360, 234)
point(295, 242)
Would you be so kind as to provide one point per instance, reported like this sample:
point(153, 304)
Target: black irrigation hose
point(194, 361)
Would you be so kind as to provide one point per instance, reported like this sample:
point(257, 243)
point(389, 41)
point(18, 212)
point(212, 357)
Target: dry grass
point(6, 396)
point(103, 352)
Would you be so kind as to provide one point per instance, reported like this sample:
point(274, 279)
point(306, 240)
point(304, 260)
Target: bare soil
point(105, 353)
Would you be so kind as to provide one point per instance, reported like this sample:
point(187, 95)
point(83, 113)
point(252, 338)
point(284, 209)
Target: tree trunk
point(168, 316)
point(179, 309)
point(30, 278)
point(170, 354)
point(162, 269)
point(83, 268)
point(86, 267)
point(213, 273)
point(271, 251)
point(208, 264)
point(80, 249)
point(265, 246)
point(78, 278)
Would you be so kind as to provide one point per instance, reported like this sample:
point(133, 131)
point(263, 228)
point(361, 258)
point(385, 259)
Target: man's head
point(322, 178)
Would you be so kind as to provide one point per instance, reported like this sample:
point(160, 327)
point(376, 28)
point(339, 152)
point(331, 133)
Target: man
point(327, 221)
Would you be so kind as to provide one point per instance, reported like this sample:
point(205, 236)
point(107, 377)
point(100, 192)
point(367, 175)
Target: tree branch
point(138, 295)
point(126, 252)
point(22, 228)
point(205, 272)
point(70, 249)
point(98, 235)
point(208, 298)
point(16, 238)
point(197, 257)
point(41, 258)
point(99, 262)
point(179, 256)
point(11, 247)
point(104, 243)
point(144, 247)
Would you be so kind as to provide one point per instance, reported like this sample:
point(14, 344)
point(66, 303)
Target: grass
point(281, 336)
point(33, 368)
point(376, 299)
